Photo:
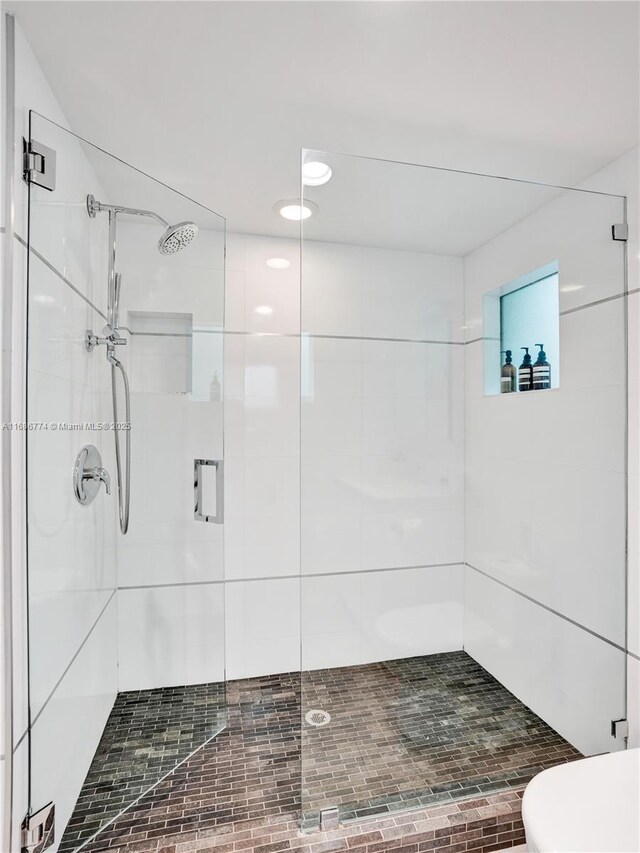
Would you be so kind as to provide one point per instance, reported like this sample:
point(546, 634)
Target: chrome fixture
point(198, 514)
point(38, 164)
point(88, 473)
point(38, 830)
point(174, 239)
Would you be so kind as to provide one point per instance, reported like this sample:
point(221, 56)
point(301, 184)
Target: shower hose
point(124, 494)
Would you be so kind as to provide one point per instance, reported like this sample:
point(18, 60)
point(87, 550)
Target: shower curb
point(480, 825)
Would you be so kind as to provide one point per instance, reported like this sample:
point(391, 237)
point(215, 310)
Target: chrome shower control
point(111, 339)
point(88, 473)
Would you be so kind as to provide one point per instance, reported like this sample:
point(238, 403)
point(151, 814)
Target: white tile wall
point(382, 445)
point(262, 627)
point(65, 736)
point(545, 481)
point(170, 636)
point(382, 453)
point(574, 230)
point(262, 458)
point(360, 618)
point(354, 290)
point(570, 678)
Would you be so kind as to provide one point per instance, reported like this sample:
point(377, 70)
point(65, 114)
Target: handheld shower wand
point(172, 240)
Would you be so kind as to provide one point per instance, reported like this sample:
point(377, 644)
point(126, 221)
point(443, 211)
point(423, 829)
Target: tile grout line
point(551, 610)
point(300, 577)
point(57, 272)
point(66, 670)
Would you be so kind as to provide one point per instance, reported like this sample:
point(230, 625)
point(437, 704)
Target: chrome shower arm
point(94, 206)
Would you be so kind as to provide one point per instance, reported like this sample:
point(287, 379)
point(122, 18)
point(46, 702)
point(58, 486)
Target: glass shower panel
point(126, 629)
point(445, 530)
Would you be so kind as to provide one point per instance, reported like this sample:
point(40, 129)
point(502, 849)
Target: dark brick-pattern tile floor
point(482, 825)
point(251, 770)
point(421, 733)
point(415, 732)
point(147, 734)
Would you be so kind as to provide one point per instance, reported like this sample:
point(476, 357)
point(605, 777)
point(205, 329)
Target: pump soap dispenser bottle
point(508, 374)
point(525, 372)
point(541, 371)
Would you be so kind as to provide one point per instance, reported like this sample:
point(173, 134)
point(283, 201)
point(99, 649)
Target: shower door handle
point(199, 514)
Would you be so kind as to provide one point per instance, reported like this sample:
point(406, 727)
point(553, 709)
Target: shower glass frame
point(147, 607)
point(355, 608)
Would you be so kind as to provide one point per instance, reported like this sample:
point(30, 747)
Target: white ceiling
point(217, 98)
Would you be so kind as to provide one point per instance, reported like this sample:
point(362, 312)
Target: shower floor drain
point(317, 718)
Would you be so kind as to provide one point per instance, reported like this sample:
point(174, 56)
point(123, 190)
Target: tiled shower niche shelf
point(523, 313)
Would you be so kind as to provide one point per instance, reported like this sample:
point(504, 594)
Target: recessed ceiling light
point(571, 288)
point(315, 173)
point(295, 209)
point(278, 263)
point(264, 309)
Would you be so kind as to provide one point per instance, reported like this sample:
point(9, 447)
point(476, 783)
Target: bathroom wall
point(72, 568)
point(382, 453)
point(546, 481)
point(170, 567)
point(368, 404)
point(372, 411)
point(262, 440)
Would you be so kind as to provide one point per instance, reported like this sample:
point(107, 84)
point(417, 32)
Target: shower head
point(177, 237)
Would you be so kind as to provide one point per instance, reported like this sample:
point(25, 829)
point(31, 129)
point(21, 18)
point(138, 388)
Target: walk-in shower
point(401, 546)
point(174, 239)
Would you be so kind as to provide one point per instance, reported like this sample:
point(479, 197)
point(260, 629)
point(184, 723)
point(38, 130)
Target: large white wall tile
point(365, 617)
point(170, 636)
point(554, 533)
point(272, 296)
point(575, 231)
point(332, 289)
point(414, 612)
point(262, 627)
point(356, 290)
point(67, 732)
point(567, 676)
point(382, 455)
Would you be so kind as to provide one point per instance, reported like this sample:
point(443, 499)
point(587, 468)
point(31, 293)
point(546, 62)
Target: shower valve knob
point(100, 475)
point(88, 473)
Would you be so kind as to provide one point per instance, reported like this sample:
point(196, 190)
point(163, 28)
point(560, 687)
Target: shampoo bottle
point(541, 371)
point(525, 372)
point(215, 389)
point(508, 375)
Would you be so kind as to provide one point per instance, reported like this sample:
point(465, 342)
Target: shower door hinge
point(620, 231)
point(38, 164)
point(37, 831)
point(620, 729)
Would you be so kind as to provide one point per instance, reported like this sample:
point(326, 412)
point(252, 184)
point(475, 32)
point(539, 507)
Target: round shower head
point(177, 237)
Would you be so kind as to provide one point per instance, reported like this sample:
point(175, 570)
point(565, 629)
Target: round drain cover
point(315, 717)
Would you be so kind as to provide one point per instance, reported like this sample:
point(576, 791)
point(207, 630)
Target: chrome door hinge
point(620, 729)
point(38, 164)
point(37, 831)
point(620, 231)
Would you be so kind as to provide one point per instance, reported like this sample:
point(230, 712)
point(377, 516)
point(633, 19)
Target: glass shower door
point(125, 502)
point(463, 564)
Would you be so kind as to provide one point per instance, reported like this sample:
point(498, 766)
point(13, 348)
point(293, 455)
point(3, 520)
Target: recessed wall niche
point(521, 316)
point(161, 352)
